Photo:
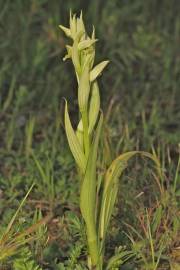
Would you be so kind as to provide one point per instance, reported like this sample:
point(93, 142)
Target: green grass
point(140, 100)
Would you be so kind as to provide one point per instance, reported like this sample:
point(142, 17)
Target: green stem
point(85, 132)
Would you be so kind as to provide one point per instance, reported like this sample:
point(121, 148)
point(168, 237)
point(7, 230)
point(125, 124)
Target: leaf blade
point(97, 70)
point(94, 106)
point(73, 141)
point(88, 195)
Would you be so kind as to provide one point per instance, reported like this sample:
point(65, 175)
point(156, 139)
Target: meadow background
point(141, 101)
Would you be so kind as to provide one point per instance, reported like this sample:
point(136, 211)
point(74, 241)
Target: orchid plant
point(97, 194)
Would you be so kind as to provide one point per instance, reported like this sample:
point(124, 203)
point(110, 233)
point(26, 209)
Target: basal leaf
point(110, 188)
point(88, 195)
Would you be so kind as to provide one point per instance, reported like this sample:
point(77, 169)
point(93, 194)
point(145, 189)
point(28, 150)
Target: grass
point(139, 96)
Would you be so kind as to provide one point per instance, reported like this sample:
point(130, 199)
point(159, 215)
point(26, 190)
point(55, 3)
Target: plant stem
point(85, 132)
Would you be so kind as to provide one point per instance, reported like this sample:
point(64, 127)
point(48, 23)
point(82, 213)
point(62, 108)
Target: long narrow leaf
point(94, 106)
point(16, 213)
point(88, 195)
point(73, 141)
point(111, 187)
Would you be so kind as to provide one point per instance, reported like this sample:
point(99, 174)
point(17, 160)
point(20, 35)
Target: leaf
point(75, 53)
point(88, 59)
point(40, 169)
point(97, 70)
point(10, 224)
point(88, 195)
point(79, 133)
point(65, 30)
point(94, 106)
point(84, 89)
point(80, 126)
point(80, 24)
point(73, 25)
point(69, 52)
point(73, 141)
point(11, 241)
point(75, 57)
point(84, 44)
point(119, 259)
point(157, 217)
point(93, 33)
point(110, 188)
